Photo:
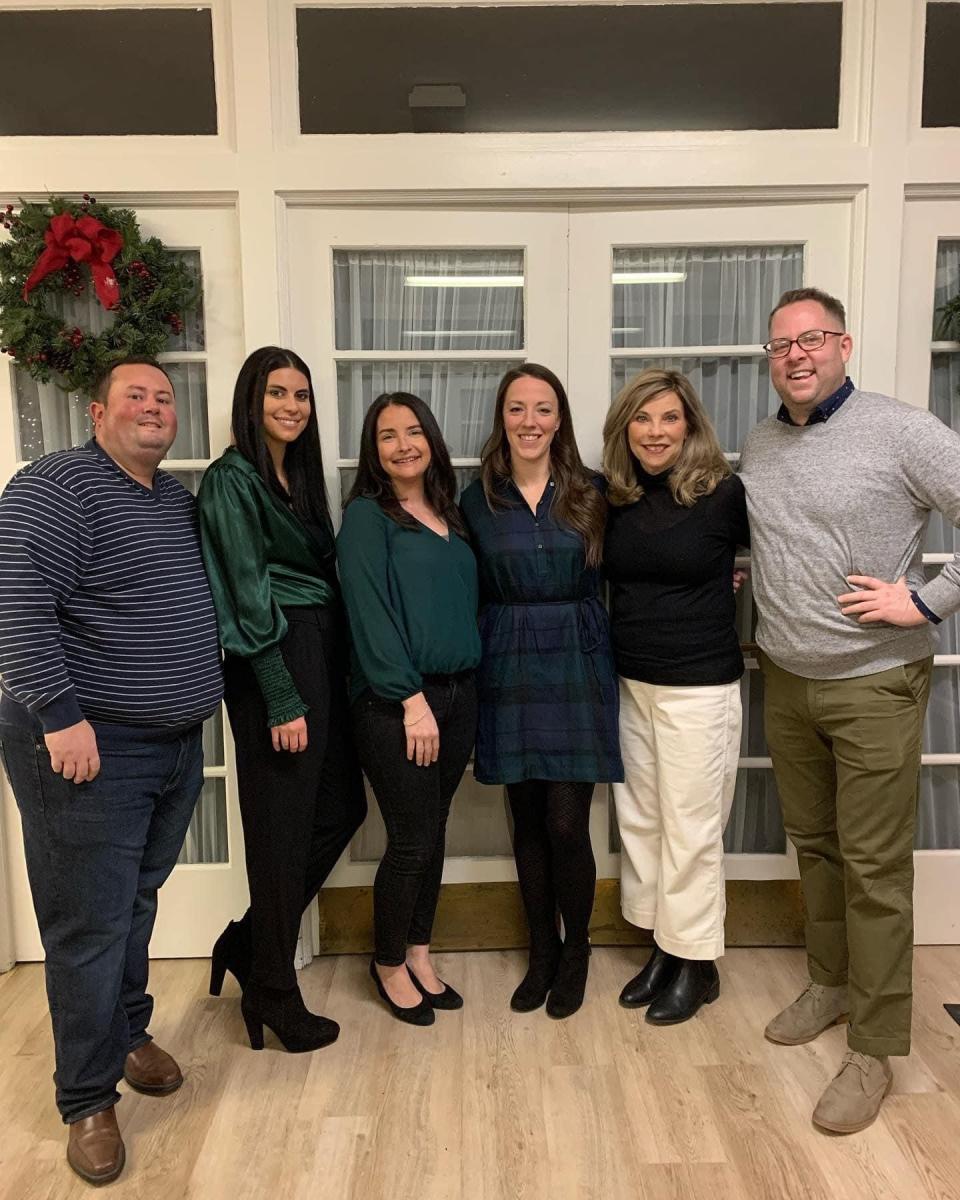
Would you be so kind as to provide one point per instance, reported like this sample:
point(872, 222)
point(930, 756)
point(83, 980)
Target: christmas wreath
point(59, 249)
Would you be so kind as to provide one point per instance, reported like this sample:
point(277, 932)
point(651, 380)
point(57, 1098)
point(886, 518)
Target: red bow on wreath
point(87, 240)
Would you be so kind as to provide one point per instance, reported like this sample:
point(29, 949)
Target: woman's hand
point(420, 726)
point(291, 735)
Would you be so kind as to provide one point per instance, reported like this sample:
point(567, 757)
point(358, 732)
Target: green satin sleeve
point(252, 625)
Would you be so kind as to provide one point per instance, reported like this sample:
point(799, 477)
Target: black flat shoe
point(231, 952)
point(535, 986)
point(570, 983)
point(284, 1012)
point(658, 972)
point(420, 1014)
point(448, 998)
point(696, 983)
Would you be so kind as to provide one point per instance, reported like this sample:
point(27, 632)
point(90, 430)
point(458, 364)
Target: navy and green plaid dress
point(549, 698)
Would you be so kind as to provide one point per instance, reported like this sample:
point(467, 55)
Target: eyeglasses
point(812, 339)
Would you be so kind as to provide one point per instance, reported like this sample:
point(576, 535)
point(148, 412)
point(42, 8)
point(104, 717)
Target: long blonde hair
point(701, 464)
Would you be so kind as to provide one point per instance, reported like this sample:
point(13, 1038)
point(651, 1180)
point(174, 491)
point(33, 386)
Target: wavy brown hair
point(701, 464)
point(576, 501)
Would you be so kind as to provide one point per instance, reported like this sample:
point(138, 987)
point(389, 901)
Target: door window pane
point(938, 815)
point(428, 299)
point(735, 391)
point(460, 395)
point(206, 840)
point(191, 336)
point(699, 295)
point(190, 386)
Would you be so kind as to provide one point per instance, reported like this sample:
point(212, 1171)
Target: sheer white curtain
point(410, 300)
point(677, 296)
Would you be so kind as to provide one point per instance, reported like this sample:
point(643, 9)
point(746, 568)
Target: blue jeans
point(97, 853)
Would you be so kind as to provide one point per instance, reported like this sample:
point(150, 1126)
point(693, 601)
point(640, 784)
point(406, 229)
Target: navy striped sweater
point(105, 611)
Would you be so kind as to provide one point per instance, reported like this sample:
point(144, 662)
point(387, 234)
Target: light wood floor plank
point(492, 1105)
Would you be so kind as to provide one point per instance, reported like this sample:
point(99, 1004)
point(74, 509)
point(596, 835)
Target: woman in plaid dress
point(547, 684)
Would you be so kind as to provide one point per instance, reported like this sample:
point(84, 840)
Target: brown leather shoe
point(95, 1148)
point(151, 1070)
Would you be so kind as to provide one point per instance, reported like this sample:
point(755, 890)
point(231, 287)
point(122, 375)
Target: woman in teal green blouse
point(410, 587)
point(269, 552)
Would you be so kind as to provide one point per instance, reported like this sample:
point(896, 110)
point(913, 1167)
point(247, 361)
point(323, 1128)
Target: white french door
point(928, 375)
point(691, 288)
point(595, 310)
point(440, 303)
point(208, 886)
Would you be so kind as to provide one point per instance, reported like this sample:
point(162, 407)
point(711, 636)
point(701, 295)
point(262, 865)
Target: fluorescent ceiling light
point(649, 276)
point(464, 281)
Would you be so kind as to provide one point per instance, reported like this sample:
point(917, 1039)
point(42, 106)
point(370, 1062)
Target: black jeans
point(300, 810)
point(96, 854)
point(414, 802)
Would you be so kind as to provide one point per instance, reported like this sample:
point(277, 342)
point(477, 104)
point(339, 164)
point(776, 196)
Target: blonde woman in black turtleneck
point(677, 515)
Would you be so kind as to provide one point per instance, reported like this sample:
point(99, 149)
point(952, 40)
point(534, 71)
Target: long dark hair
point(576, 502)
point(439, 481)
point(302, 460)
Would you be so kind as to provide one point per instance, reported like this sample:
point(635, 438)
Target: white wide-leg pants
point(680, 748)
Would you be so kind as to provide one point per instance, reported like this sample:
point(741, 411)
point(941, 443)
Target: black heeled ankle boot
point(284, 1012)
point(231, 952)
point(696, 983)
point(570, 983)
point(535, 986)
point(659, 971)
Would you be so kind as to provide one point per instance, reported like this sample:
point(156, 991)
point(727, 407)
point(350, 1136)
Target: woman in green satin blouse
point(270, 557)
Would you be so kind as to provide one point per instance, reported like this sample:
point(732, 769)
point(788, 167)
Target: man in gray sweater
point(840, 485)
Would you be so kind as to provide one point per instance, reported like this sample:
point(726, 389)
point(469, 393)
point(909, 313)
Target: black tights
point(551, 843)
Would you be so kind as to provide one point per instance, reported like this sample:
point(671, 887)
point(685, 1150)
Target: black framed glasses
point(811, 339)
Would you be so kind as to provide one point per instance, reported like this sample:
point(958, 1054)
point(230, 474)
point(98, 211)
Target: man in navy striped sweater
point(110, 663)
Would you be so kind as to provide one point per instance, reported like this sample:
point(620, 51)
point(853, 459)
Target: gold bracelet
point(417, 720)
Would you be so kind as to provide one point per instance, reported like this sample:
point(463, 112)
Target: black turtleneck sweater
point(671, 575)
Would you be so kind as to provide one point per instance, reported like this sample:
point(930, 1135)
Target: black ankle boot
point(286, 1014)
point(536, 984)
point(658, 972)
point(697, 982)
point(231, 952)
point(570, 983)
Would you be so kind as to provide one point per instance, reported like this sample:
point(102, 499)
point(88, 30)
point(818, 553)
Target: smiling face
point(805, 378)
point(137, 423)
point(286, 407)
point(657, 433)
point(531, 418)
point(402, 445)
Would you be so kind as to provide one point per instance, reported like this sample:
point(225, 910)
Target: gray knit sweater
point(849, 496)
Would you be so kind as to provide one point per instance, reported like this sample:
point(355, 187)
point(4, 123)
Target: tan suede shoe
point(853, 1099)
point(152, 1070)
point(95, 1148)
point(814, 1010)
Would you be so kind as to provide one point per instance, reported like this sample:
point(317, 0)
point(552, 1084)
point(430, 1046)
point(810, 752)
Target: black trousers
point(415, 802)
point(299, 811)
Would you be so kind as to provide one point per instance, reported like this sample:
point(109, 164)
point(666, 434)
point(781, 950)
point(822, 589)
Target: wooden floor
point(489, 1105)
